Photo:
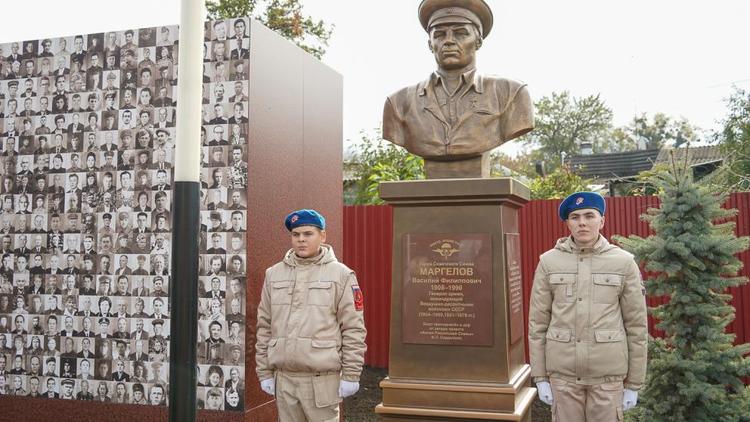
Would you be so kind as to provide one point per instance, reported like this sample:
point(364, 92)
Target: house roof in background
point(613, 166)
point(698, 155)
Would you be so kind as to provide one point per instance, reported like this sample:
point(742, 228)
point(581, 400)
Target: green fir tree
point(694, 372)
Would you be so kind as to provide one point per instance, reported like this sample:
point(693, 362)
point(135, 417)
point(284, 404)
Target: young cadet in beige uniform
point(587, 321)
point(311, 330)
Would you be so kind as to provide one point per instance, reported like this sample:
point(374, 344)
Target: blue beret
point(581, 200)
point(305, 218)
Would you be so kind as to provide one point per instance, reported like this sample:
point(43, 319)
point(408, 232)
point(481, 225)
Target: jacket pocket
point(609, 353)
point(281, 292)
point(324, 355)
point(275, 353)
point(326, 390)
point(563, 287)
point(607, 287)
point(560, 351)
point(486, 112)
point(320, 293)
point(481, 104)
point(559, 334)
point(609, 336)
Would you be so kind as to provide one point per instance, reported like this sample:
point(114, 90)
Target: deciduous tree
point(283, 16)
point(375, 161)
point(658, 131)
point(558, 184)
point(734, 140)
point(564, 122)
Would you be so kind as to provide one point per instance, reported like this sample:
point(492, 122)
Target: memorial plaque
point(447, 289)
point(515, 286)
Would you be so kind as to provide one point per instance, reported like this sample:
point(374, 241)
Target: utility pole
point(186, 216)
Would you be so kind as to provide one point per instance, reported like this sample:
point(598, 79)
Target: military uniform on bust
point(310, 347)
point(455, 116)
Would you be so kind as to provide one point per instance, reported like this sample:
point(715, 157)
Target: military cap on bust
point(138, 387)
point(434, 12)
point(215, 215)
point(581, 200)
point(305, 217)
point(67, 381)
point(158, 322)
point(104, 320)
point(107, 216)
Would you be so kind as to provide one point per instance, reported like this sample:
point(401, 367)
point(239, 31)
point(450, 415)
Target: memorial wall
point(88, 133)
point(222, 281)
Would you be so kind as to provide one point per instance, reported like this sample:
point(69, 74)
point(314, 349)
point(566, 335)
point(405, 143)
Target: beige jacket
point(587, 316)
point(309, 319)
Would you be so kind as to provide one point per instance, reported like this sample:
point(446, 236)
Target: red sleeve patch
point(359, 298)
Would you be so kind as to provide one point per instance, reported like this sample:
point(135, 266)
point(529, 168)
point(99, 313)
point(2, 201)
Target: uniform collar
point(598, 246)
point(470, 77)
point(309, 260)
point(325, 256)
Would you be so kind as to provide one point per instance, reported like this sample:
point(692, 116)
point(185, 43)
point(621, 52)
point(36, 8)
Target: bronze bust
point(455, 117)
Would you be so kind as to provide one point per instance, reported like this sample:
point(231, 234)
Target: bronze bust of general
point(455, 117)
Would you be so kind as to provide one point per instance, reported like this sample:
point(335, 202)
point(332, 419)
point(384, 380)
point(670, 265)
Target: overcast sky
point(670, 56)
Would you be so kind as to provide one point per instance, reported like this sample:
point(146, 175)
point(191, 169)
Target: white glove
point(545, 392)
point(347, 388)
point(629, 399)
point(269, 386)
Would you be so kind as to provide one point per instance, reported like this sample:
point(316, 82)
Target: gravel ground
point(361, 407)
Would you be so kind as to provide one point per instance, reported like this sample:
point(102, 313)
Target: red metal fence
point(368, 232)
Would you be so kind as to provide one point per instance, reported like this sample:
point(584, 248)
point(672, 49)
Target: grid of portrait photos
point(87, 138)
point(223, 266)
